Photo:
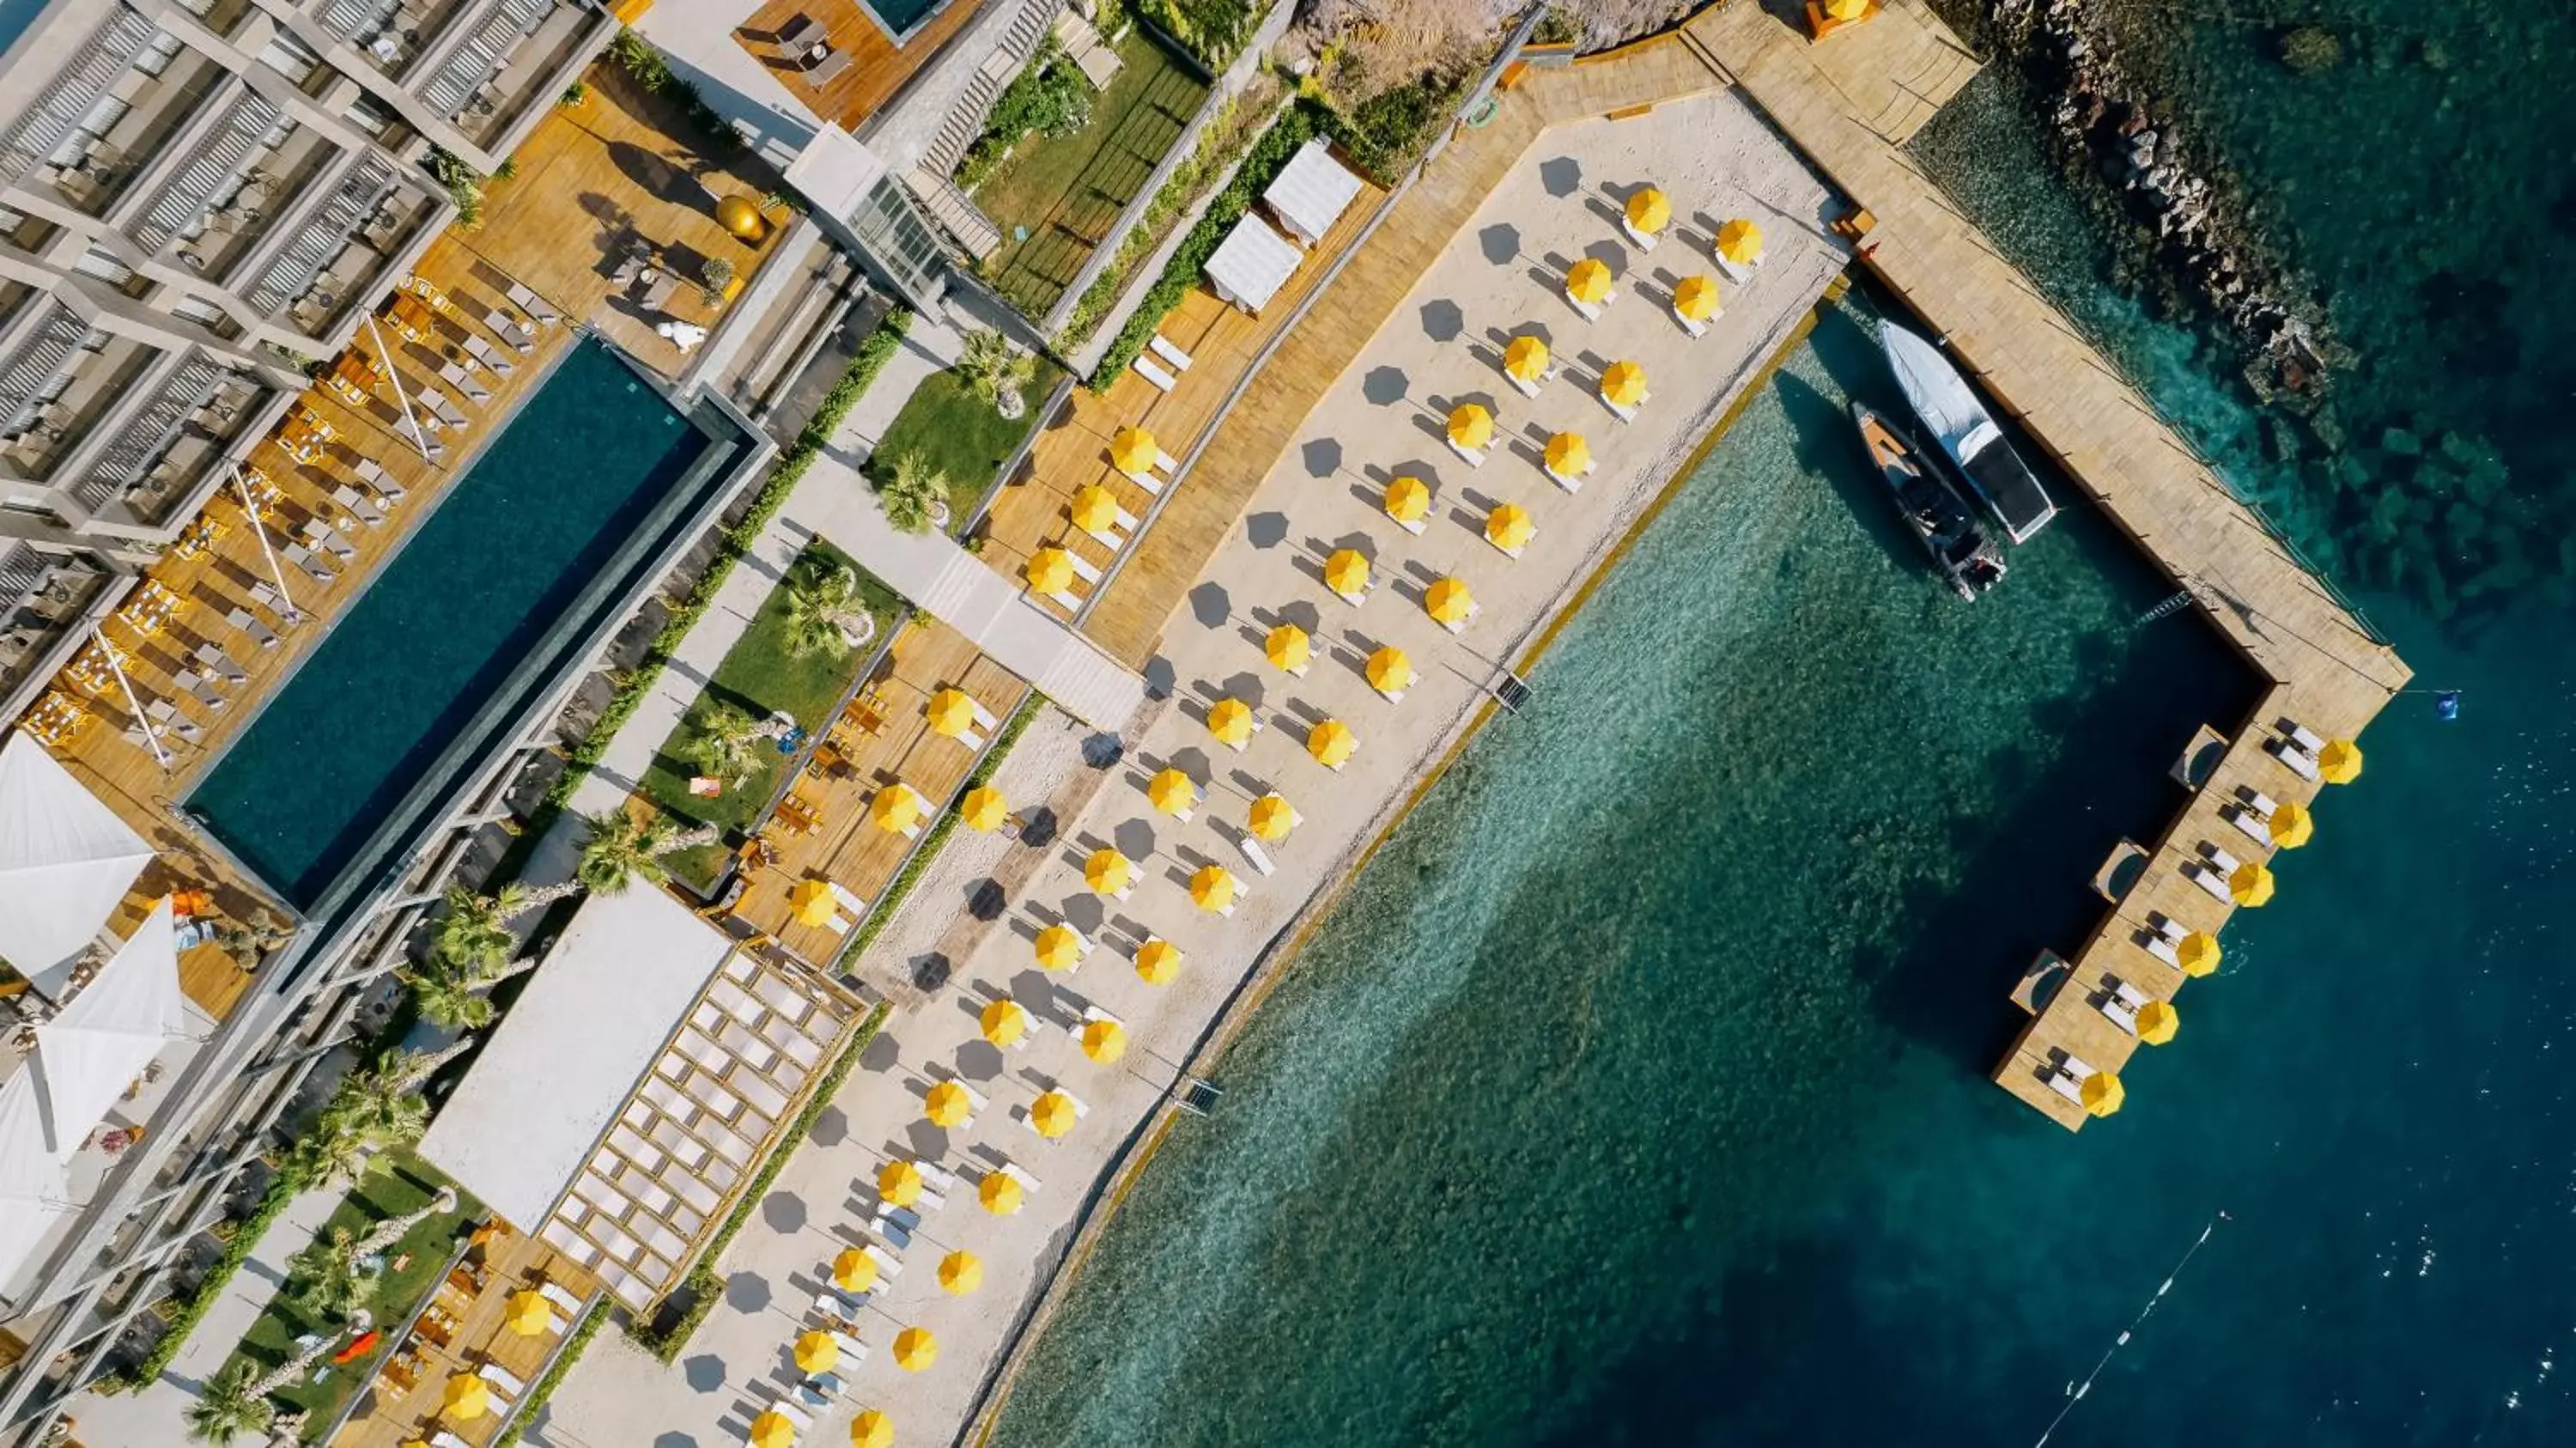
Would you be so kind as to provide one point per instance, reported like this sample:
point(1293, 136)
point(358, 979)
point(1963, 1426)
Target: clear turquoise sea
point(1636, 1093)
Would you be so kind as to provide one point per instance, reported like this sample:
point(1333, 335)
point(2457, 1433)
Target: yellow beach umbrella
point(1094, 508)
point(1470, 425)
point(464, 1399)
point(984, 808)
point(771, 1429)
point(952, 713)
point(2292, 825)
point(1212, 888)
point(1000, 1193)
point(1739, 241)
point(947, 1104)
point(1050, 571)
point(1408, 500)
point(1059, 947)
point(1568, 455)
point(1106, 871)
point(1331, 743)
point(899, 1182)
point(1272, 818)
point(854, 1270)
point(1623, 384)
point(1588, 281)
point(895, 809)
point(1389, 671)
point(1171, 792)
point(1052, 1114)
point(2102, 1093)
point(1846, 10)
point(529, 1314)
point(816, 1352)
point(2197, 953)
point(1287, 647)
point(1695, 297)
point(811, 901)
point(1133, 450)
point(961, 1273)
point(915, 1348)
point(1157, 961)
point(1104, 1041)
point(1004, 1021)
point(2157, 1023)
point(1448, 601)
point(872, 1429)
point(1347, 572)
point(1230, 720)
point(2339, 762)
point(1525, 358)
point(1509, 528)
point(2250, 884)
point(1648, 211)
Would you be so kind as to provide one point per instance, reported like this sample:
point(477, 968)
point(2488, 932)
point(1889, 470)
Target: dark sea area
point(1636, 1092)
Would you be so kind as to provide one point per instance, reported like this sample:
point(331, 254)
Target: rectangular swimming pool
point(469, 598)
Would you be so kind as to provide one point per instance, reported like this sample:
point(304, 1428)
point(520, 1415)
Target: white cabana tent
point(34, 1190)
point(88, 1055)
point(66, 861)
point(1252, 264)
point(1311, 192)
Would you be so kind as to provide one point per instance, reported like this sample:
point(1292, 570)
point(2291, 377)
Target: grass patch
point(1212, 30)
point(1066, 192)
point(398, 1183)
point(958, 433)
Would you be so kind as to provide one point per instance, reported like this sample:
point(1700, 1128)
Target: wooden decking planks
point(879, 65)
point(388, 1415)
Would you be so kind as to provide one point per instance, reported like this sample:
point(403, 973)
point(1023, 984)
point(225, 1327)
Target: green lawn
point(399, 1183)
point(761, 677)
point(1057, 196)
point(957, 433)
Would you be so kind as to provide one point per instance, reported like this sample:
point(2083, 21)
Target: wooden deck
point(879, 63)
point(884, 737)
point(1848, 104)
point(402, 1404)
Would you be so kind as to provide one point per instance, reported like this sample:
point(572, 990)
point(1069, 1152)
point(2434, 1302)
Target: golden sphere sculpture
point(741, 218)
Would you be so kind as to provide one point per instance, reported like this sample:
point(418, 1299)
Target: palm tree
point(293, 1369)
point(620, 849)
point(448, 998)
point(995, 371)
point(330, 1155)
point(824, 614)
point(226, 1409)
point(914, 494)
point(474, 938)
point(722, 747)
point(323, 1280)
point(394, 1229)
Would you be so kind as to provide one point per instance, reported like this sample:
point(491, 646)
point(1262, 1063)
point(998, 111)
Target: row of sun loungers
point(1171, 356)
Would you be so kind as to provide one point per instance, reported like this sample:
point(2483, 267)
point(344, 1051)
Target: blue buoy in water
point(2446, 705)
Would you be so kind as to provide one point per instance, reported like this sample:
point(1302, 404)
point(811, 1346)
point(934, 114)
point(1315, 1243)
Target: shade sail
point(88, 1055)
point(1252, 264)
point(66, 861)
point(1311, 192)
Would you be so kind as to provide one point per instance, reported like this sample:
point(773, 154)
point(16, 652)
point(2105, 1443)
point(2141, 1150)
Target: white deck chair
point(507, 328)
point(1121, 528)
point(201, 686)
point(532, 304)
point(319, 534)
point(1252, 851)
point(1179, 359)
point(1644, 240)
point(2255, 828)
point(1625, 414)
point(243, 619)
point(1161, 379)
point(1084, 568)
point(484, 352)
point(454, 373)
point(1473, 608)
point(1474, 456)
point(348, 496)
point(437, 402)
point(222, 665)
point(374, 476)
point(1734, 272)
point(2300, 762)
point(302, 557)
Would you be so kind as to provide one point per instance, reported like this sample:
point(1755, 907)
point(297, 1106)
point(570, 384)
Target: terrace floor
point(879, 63)
point(475, 1298)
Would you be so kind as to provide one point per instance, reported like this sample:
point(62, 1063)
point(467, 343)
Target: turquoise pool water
point(534, 519)
point(899, 18)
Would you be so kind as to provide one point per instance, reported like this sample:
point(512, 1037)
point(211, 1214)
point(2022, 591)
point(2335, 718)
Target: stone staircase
point(966, 118)
point(954, 211)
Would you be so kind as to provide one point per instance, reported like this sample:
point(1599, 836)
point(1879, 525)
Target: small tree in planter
point(996, 371)
point(914, 495)
point(715, 280)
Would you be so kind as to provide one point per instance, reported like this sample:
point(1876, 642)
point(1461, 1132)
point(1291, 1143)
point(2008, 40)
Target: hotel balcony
point(122, 429)
point(46, 602)
point(479, 65)
point(342, 241)
point(127, 123)
point(223, 17)
point(218, 191)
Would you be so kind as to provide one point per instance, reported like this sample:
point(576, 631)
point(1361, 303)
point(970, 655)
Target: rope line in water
point(2075, 1392)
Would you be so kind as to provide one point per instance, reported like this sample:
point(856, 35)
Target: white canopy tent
point(66, 861)
point(1252, 264)
point(1311, 192)
point(34, 1190)
point(88, 1055)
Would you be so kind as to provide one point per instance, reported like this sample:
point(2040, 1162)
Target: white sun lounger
point(302, 557)
point(2302, 736)
point(483, 352)
point(510, 1384)
point(2068, 1080)
point(201, 686)
point(1179, 359)
point(1591, 312)
point(319, 534)
point(2255, 828)
point(561, 1296)
point(373, 475)
point(507, 328)
point(243, 619)
point(436, 401)
point(1696, 329)
point(1115, 536)
point(1645, 240)
point(1734, 272)
point(1252, 851)
point(455, 373)
point(1161, 379)
point(532, 304)
point(1474, 456)
point(2300, 762)
point(222, 664)
point(1626, 414)
point(348, 496)
point(2211, 878)
point(1083, 568)
point(1573, 484)
point(266, 596)
point(167, 715)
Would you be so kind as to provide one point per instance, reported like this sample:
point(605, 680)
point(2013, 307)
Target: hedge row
point(535, 1402)
point(246, 1234)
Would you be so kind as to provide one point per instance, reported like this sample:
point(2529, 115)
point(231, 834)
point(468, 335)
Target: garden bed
point(964, 437)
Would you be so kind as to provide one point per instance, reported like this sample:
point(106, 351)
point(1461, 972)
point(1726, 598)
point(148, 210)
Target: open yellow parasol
point(1157, 961)
point(772, 1429)
point(2156, 1023)
point(1050, 571)
point(1695, 297)
point(951, 713)
point(961, 1273)
point(1212, 888)
point(1004, 1020)
point(1525, 358)
point(899, 1182)
point(984, 808)
point(1470, 426)
point(815, 1352)
point(1846, 10)
point(1171, 792)
point(1000, 1193)
point(1331, 743)
point(1104, 1040)
point(1053, 1114)
point(529, 1314)
point(1272, 818)
point(1094, 509)
point(947, 1105)
point(1287, 647)
point(1347, 572)
point(1133, 450)
point(1230, 720)
point(2250, 884)
point(1059, 947)
point(1106, 871)
point(854, 1270)
point(1740, 242)
point(812, 902)
point(2339, 762)
point(1623, 384)
point(2102, 1093)
point(1509, 528)
point(464, 1399)
point(1648, 211)
point(2292, 825)
point(915, 1348)
point(1389, 671)
point(1408, 500)
point(1448, 601)
point(1568, 455)
point(895, 809)
point(872, 1429)
point(2197, 953)
point(1588, 281)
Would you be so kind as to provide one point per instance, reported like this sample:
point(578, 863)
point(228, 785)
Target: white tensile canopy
point(1311, 192)
point(34, 1190)
point(66, 861)
point(1252, 264)
point(88, 1055)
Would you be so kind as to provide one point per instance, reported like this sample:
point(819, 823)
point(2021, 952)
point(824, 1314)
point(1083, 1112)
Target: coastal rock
point(2310, 49)
point(2401, 442)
